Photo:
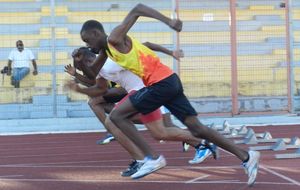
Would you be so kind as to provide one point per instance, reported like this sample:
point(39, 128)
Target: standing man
point(19, 60)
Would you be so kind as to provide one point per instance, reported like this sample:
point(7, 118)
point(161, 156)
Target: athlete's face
point(77, 59)
point(85, 64)
point(81, 59)
point(94, 39)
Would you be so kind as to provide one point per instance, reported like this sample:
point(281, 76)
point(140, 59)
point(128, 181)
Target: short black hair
point(85, 51)
point(90, 25)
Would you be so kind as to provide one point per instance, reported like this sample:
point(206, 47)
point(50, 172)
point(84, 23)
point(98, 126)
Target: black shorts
point(167, 92)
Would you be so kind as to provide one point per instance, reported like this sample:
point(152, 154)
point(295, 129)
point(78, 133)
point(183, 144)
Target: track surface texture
point(75, 162)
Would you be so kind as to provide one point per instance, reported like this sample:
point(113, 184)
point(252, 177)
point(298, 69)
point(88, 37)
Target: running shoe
point(185, 147)
point(107, 139)
point(213, 148)
point(251, 166)
point(203, 152)
point(133, 168)
point(150, 166)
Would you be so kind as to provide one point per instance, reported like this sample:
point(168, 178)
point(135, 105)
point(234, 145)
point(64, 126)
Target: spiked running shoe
point(185, 147)
point(203, 152)
point(107, 139)
point(133, 168)
point(213, 148)
point(150, 166)
point(251, 166)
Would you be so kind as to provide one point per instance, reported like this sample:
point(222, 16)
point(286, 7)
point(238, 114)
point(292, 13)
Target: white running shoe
point(251, 167)
point(149, 167)
point(107, 139)
point(185, 147)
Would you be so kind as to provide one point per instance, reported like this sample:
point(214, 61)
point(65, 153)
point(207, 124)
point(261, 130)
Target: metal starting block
point(252, 139)
point(280, 145)
point(291, 155)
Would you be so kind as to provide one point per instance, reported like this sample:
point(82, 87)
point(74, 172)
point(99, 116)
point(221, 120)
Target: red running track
point(75, 162)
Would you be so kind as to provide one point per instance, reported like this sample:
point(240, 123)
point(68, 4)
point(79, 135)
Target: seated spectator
point(18, 61)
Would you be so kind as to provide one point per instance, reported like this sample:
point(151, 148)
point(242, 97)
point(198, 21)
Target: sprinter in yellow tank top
point(142, 61)
point(163, 87)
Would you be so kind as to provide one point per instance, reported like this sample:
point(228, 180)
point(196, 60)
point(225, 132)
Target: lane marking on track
point(98, 152)
point(196, 179)
point(271, 183)
point(5, 176)
point(280, 175)
point(65, 165)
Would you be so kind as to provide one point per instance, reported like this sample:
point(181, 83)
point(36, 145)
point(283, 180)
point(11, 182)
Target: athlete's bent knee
point(115, 117)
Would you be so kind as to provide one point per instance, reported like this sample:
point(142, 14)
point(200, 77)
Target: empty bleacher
point(206, 68)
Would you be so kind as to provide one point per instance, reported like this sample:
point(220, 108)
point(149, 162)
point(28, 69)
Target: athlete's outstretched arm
point(118, 35)
point(80, 78)
point(99, 89)
point(177, 54)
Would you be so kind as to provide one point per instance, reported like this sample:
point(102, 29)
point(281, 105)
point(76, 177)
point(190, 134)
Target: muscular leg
point(201, 131)
point(100, 109)
point(187, 136)
point(167, 120)
point(160, 132)
point(124, 141)
point(120, 117)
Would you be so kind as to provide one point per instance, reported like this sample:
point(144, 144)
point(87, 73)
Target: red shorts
point(150, 117)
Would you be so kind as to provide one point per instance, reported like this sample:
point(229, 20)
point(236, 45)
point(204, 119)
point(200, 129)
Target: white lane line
point(280, 175)
point(196, 179)
point(99, 152)
point(71, 164)
point(5, 176)
point(271, 183)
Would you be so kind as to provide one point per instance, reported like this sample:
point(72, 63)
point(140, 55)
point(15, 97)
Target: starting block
point(280, 145)
point(227, 129)
point(248, 133)
point(291, 155)
point(252, 139)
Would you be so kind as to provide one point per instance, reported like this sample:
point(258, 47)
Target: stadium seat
point(206, 68)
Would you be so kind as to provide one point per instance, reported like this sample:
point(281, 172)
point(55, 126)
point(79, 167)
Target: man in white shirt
point(18, 61)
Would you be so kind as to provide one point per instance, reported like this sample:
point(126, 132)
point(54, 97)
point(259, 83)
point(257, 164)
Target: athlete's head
point(82, 57)
point(93, 34)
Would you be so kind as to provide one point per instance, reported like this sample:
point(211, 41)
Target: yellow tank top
point(142, 61)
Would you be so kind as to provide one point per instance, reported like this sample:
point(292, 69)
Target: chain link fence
point(240, 56)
